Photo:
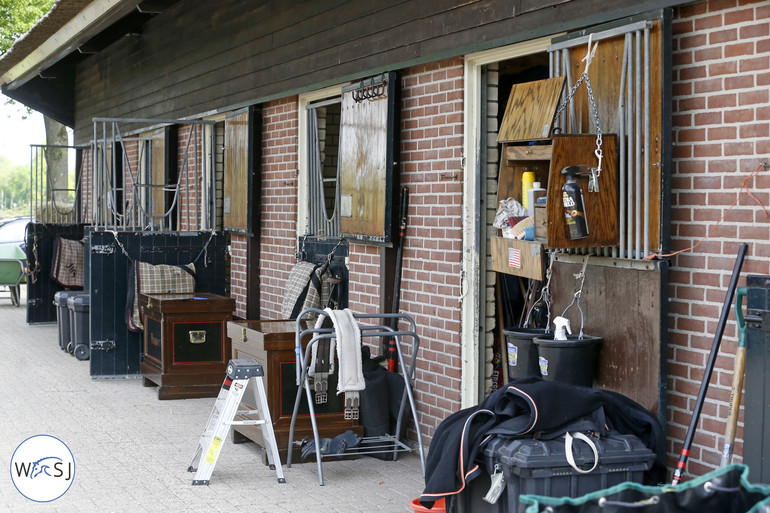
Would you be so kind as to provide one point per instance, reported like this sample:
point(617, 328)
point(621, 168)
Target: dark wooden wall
point(626, 306)
point(199, 56)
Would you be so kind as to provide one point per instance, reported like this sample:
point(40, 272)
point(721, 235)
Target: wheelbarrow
point(12, 260)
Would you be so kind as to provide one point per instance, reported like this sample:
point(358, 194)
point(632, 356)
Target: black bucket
point(574, 361)
point(522, 353)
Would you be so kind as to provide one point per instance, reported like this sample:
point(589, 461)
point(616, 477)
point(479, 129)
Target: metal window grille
point(633, 115)
point(124, 181)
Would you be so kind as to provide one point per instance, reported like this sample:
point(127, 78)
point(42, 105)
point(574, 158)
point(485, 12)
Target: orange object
point(438, 506)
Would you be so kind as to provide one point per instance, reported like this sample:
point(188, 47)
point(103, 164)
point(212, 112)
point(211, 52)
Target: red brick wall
point(721, 118)
point(431, 164)
point(188, 162)
point(86, 185)
point(431, 153)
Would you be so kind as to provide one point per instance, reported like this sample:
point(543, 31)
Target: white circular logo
point(42, 468)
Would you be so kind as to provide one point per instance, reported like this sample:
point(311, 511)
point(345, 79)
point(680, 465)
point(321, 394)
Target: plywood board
point(158, 177)
point(363, 166)
point(601, 208)
point(623, 306)
point(236, 179)
point(517, 257)
point(530, 110)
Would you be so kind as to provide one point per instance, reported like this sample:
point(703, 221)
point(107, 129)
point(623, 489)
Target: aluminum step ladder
point(239, 372)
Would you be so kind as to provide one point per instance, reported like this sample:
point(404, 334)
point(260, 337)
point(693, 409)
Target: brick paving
point(132, 450)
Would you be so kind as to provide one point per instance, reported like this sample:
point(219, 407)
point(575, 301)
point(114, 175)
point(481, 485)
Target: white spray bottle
point(562, 328)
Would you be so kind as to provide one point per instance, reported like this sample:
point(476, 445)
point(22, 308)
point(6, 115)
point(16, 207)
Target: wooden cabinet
point(272, 344)
point(186, 348)
point(529, 146)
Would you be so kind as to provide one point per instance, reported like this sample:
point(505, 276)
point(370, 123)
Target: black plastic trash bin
point(63, 317)
point(522, 353)
point(574, 361)
point(80, 345)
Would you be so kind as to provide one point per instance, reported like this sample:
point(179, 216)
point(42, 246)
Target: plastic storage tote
point(540, 467)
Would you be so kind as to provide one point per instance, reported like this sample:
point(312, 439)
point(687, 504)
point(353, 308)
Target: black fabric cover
point(380, 402)
point(531, 407)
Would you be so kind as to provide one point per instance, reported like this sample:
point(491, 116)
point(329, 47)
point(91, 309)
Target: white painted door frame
point(470, 338)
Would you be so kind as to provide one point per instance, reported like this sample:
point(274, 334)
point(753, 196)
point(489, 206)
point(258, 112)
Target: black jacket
point(526, 408)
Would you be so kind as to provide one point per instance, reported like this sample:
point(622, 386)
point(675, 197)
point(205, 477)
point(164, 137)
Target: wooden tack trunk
point(271, 343)
point(186, 348)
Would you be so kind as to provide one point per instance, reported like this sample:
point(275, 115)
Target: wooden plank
point(530, 110)
point(534, 5)
point(601, 208)
point(517, 257)
point(158, 173)
point(236, 179)
point(191, 60)
point(539, 152)
point(623, 306)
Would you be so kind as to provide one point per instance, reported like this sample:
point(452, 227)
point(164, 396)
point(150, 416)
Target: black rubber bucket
point(574, 361)
point(522, 353)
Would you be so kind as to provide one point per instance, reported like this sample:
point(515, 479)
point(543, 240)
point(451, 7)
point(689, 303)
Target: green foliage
point(18, 17)
point(14, 186)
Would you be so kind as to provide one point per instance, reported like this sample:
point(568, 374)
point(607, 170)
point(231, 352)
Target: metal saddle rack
point(369, 445)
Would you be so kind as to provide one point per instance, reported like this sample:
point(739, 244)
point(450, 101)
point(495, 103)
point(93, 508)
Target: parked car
point(13, 231)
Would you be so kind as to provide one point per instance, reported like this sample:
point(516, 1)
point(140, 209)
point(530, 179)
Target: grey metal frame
point(387, 443)
point(41, 188)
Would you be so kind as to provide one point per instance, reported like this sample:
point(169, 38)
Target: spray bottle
point(574, 210)
point(562, 328)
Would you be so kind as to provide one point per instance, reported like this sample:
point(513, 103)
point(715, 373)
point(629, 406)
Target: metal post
point(622, 160)
point(646, 250)
point(638, 143)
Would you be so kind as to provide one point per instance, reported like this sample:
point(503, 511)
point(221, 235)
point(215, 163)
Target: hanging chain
point(593, 182)
point(595, 111)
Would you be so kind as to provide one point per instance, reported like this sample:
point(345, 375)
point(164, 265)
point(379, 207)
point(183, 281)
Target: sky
point(17, 134)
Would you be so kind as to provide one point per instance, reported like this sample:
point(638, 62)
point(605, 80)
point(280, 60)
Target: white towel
point(347, 346)
point(351, 375)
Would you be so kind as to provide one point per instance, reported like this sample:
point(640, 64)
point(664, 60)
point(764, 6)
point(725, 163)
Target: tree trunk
point(56, 162)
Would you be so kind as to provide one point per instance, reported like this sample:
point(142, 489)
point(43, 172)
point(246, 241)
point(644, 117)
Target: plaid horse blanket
point(304, 289)
point(68, 263)
point(147, 278)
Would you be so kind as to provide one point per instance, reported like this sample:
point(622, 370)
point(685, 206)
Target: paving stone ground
point(132, 450)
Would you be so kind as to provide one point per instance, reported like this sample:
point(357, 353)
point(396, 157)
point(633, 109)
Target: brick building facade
point(721, 135)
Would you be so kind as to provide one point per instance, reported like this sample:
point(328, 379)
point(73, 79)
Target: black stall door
point(116, 350)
